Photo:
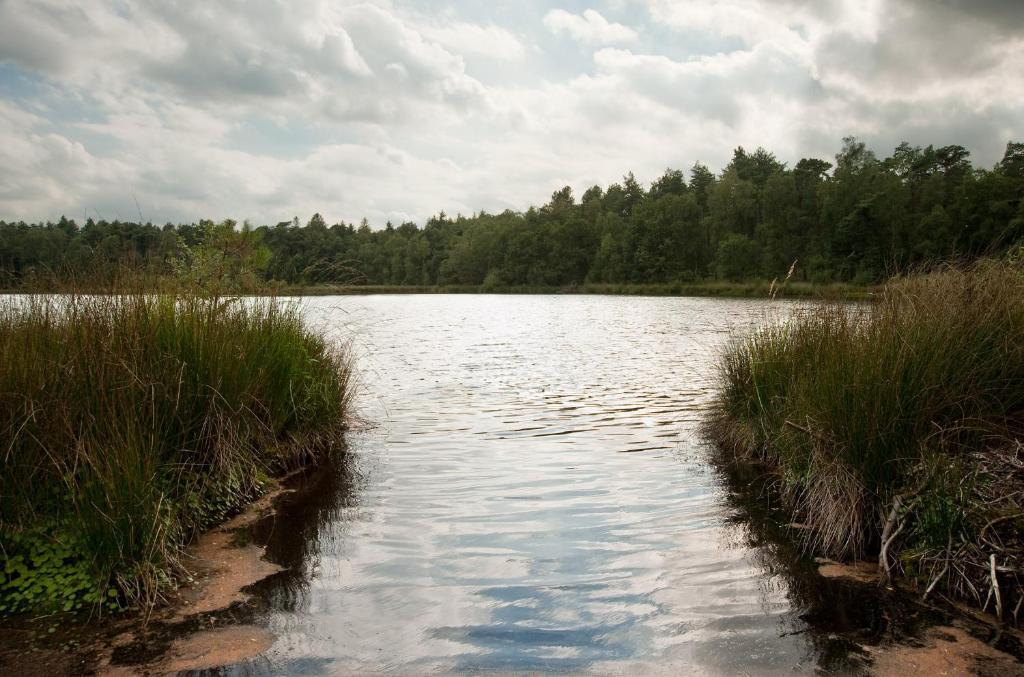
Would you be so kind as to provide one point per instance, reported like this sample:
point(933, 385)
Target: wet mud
point(208, 623)
point(859, 626)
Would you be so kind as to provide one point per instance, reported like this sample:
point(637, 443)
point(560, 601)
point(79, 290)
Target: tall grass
point(130, 421)
point(896, 428)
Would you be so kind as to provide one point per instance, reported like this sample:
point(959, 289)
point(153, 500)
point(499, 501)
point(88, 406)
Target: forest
point(857, 219)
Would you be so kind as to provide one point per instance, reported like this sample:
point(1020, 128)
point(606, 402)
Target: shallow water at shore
point(536, 497)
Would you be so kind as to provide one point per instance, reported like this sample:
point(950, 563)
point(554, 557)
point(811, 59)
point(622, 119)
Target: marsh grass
point(132, 420)
point(895, 428)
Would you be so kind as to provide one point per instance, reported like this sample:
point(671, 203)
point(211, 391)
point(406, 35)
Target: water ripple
point(534, 498)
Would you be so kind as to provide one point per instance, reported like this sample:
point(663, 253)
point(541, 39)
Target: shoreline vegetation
point(764, 289)
point(134, 420)
point(720, 289)
point(892, 430)
point(853, 221)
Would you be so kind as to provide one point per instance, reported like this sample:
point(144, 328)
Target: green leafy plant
point(47, 570)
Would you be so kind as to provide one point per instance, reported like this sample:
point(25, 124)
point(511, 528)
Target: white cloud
point(264, 109)
point(266, 51)
point(755, 21)
point(470, 39)
point(589, 27)
point(37, 165)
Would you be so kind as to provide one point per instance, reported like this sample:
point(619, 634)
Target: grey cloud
point(983, 131)
point(367, 67)
point(288, 55)
point(926, 47)
point(390, 124)
point(1004, 16)
point(247, 49)
point(226, 73)
point(45, 36)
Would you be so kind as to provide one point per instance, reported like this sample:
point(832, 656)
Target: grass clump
point(895, 428)
point(131, 421)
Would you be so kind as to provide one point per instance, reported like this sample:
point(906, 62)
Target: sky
point(264, 110)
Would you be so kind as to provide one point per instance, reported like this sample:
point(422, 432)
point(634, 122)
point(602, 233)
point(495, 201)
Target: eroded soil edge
point(206, 624)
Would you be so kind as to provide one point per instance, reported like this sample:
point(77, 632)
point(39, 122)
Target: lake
point(534, 495)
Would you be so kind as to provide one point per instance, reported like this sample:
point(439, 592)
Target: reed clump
point(131, 421)
point(895, 428)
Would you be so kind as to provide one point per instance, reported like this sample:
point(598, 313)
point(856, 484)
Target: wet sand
point(945, 651)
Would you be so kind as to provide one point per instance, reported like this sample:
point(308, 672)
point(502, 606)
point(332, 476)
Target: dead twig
point(995, 586)
point(806, 431)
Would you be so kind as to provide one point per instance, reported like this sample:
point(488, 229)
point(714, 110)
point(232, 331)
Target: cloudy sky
point(397, 109)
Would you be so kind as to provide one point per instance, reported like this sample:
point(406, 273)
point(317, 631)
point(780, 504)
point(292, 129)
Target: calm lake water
point(535, 496)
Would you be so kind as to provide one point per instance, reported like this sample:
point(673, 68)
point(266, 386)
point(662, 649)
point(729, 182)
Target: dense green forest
point(854, 220)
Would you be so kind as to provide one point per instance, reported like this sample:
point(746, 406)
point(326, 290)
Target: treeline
point(854, 220)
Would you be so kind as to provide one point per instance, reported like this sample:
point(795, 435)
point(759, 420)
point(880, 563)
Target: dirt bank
point(196, 630)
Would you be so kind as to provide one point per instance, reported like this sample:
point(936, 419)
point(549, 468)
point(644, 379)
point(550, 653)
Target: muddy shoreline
point(204, 625)
point(872, 629)
point(965, 643)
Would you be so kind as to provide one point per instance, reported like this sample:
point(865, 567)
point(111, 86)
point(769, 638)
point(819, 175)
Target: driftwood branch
point(950, 556)
point(889, 533)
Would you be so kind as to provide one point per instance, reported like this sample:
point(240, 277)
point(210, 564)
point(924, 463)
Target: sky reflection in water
point(535, 498)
